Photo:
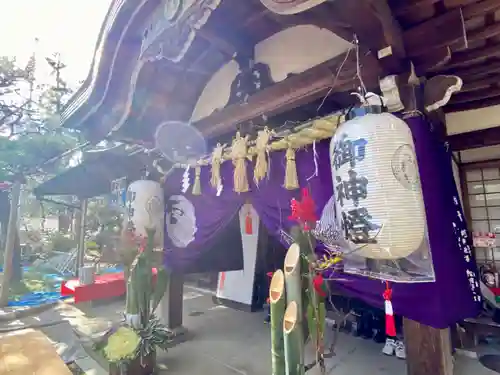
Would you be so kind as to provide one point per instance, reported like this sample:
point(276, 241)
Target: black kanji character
point(357, 225)
point(347, 151)
point(354, 189)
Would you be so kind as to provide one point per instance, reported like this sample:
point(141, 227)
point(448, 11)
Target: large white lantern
point(145, 207)
point(379, 203)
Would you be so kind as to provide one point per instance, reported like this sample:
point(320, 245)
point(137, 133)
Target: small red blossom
point(304, 212)
point(319, 285)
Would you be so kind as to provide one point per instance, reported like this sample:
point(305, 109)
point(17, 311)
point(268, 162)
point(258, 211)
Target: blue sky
point(69, 27)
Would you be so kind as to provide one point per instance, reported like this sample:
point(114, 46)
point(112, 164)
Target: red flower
point(319, 285)
point(304, 212)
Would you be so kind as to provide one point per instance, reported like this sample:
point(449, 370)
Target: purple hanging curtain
point(196, 228)
point(437, 304)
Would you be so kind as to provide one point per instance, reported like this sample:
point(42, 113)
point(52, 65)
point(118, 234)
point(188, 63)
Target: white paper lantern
point(379, 203)
point(145, 207)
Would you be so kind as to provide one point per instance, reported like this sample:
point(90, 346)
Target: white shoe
point(400, 350)
point(389, 347)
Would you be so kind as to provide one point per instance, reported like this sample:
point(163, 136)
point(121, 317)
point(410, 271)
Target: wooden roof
point(459, 37)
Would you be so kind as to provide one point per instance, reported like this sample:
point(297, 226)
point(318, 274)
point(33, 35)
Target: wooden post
point(10, 243)
point(428, 350)
point(171, 305)
point(81, 236)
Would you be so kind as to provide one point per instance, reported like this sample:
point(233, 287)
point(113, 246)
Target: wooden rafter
point(410, 7)
point(376, 28)
point(290, 93)
point(484, 33)
point(475, 139)
point(457, 3)
point(480, 8)
point(476, 95)
point(480, 84)
point(472, 105)
point(475, 72)
point(474, 56)
point(439, 32)
point(434, 61)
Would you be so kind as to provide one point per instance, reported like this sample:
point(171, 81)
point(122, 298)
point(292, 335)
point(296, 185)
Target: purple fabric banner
point(437, 304)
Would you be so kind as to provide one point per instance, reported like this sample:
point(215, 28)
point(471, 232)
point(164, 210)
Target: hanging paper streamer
point(185, 180)
point(390, 323)
point(219, 190)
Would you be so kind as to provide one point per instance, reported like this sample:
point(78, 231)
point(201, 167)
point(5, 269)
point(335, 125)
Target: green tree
point(29, 138)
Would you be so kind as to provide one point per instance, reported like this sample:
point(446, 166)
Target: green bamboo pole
point(294, 343)
point(292, 276)
point(277, 303)
point(293, 283)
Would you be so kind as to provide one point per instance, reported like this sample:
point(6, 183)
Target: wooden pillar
point(80, 262)
point(171, 305)
point(428, 350)
point(10, 243)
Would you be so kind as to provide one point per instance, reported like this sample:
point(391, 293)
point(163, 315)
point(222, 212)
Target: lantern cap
point(370, 103)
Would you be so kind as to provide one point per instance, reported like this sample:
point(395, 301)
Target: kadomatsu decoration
point(132, 348)
point(296, 297)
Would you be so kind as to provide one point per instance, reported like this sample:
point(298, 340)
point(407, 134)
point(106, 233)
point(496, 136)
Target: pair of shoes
point(393, 347)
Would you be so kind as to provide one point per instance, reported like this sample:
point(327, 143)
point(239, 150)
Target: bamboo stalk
point(294, 344)
point(292, 276)
point(293, 282)
point(277, 303)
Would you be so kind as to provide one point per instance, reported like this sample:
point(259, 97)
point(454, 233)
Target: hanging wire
point(337, 74)
point(358, 68)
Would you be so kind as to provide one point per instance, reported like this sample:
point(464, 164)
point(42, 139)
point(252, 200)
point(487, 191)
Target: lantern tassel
point(291, 178)
point(390, 324)
point(197, 181)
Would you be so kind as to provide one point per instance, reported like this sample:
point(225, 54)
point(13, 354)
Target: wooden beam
point(290, 93)
point(414, 5)
point(428, 350)
point(442, 31)
point(485, 33)
point(457, 3)
point(376, 28)
point(473, 105)
point(476, 95)
point(433, 61)
point(480, 8)
point(474, 56)
point(475, 139)
point(475, 72)
point(480, 84)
